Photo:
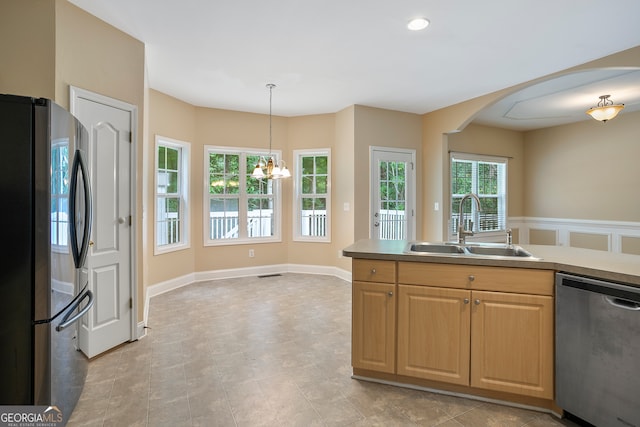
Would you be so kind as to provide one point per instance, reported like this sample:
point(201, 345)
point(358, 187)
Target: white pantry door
point(110, 123)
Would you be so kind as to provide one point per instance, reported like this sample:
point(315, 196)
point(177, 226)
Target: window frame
point(243, 196)
point(297, 194)
point(502, 196)
point(184, 162)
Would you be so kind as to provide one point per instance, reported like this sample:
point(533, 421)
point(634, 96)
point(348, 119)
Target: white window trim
point(185, 241)
point(297, 191)
point(243, 239)
point(488, 236)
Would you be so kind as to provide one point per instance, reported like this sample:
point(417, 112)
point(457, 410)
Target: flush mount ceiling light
point(605, 110)
point(417, 24)
point(269, 168)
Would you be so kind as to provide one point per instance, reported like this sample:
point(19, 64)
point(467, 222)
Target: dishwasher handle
point(623, 303)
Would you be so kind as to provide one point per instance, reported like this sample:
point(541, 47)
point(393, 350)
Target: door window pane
point(392, 186)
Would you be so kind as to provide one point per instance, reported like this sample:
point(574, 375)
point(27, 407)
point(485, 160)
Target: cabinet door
point(373, 335)
point(433, 333)
point(512, 343)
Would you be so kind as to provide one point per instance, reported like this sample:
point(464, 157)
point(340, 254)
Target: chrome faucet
point(462, 232)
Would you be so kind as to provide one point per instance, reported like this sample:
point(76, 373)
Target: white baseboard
point(178, 282)
point(141, 330)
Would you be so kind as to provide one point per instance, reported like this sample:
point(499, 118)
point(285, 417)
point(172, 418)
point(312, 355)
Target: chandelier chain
point(270, 86)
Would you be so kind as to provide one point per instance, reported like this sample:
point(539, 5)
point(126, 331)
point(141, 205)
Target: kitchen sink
point(502, 251)
point(434, 248)
point(487, 250)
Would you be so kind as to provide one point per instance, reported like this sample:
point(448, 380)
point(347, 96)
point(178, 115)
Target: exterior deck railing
point(314, 223)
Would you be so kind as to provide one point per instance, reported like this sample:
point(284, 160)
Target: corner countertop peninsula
point(602, 265)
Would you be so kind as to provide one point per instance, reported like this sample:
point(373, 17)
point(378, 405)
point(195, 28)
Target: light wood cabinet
point(434, 333)
point(512, 343)
point(373, 335)
point(490, 328)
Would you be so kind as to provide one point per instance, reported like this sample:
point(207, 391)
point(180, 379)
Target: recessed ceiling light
point(418, 24)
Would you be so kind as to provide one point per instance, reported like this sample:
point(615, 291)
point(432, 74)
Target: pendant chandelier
point(605, 110)
point(268, 167)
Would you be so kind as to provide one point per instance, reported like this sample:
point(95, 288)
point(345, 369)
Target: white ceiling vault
point(325, 55)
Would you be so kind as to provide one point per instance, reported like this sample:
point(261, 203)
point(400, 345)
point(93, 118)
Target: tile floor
point(261, 352)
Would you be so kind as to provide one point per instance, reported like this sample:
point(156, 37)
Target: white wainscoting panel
point(563, 228)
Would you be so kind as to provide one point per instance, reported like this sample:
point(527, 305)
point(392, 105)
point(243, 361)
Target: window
point(312, 205)
point(239, 208)
point(487, 178)
point(60, 195)
point(172, 179)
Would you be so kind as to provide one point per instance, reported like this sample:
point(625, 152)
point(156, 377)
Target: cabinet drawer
point(499, 279)
point(370, 270)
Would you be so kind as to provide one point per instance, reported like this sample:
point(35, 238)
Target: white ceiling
point(327, 55)
point(564, 99)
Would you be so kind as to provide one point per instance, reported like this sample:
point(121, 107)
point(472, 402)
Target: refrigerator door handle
point(80, 253)
point(66, 321)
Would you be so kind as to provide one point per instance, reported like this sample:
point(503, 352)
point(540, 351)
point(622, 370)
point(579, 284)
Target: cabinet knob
point(476, 302)
point(472, 277)
point(390, 293)
point(466, 300)
point(373, 271)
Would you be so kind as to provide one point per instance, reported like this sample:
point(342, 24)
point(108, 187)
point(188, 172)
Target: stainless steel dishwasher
point(598, 350)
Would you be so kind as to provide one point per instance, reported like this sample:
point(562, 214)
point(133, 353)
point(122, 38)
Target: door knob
point(121, 220)
point(476, 302)
point(466, 300)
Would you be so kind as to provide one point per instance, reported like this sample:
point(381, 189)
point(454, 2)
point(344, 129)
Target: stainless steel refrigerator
point(45, 213)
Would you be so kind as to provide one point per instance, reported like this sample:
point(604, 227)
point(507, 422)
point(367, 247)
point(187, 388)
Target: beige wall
point(343, 185)
point(631, 245)
point(169, 118)
point(585, 170)
point(74, 48)
point(438, 126)
point(307, 132)
point(27, 48)
point(594, 241)
point(93, 55)
point(542, 237)
point(61, 45)
point(175, 119)
point(237, 129)
point(381, 128)
point(100, 58)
